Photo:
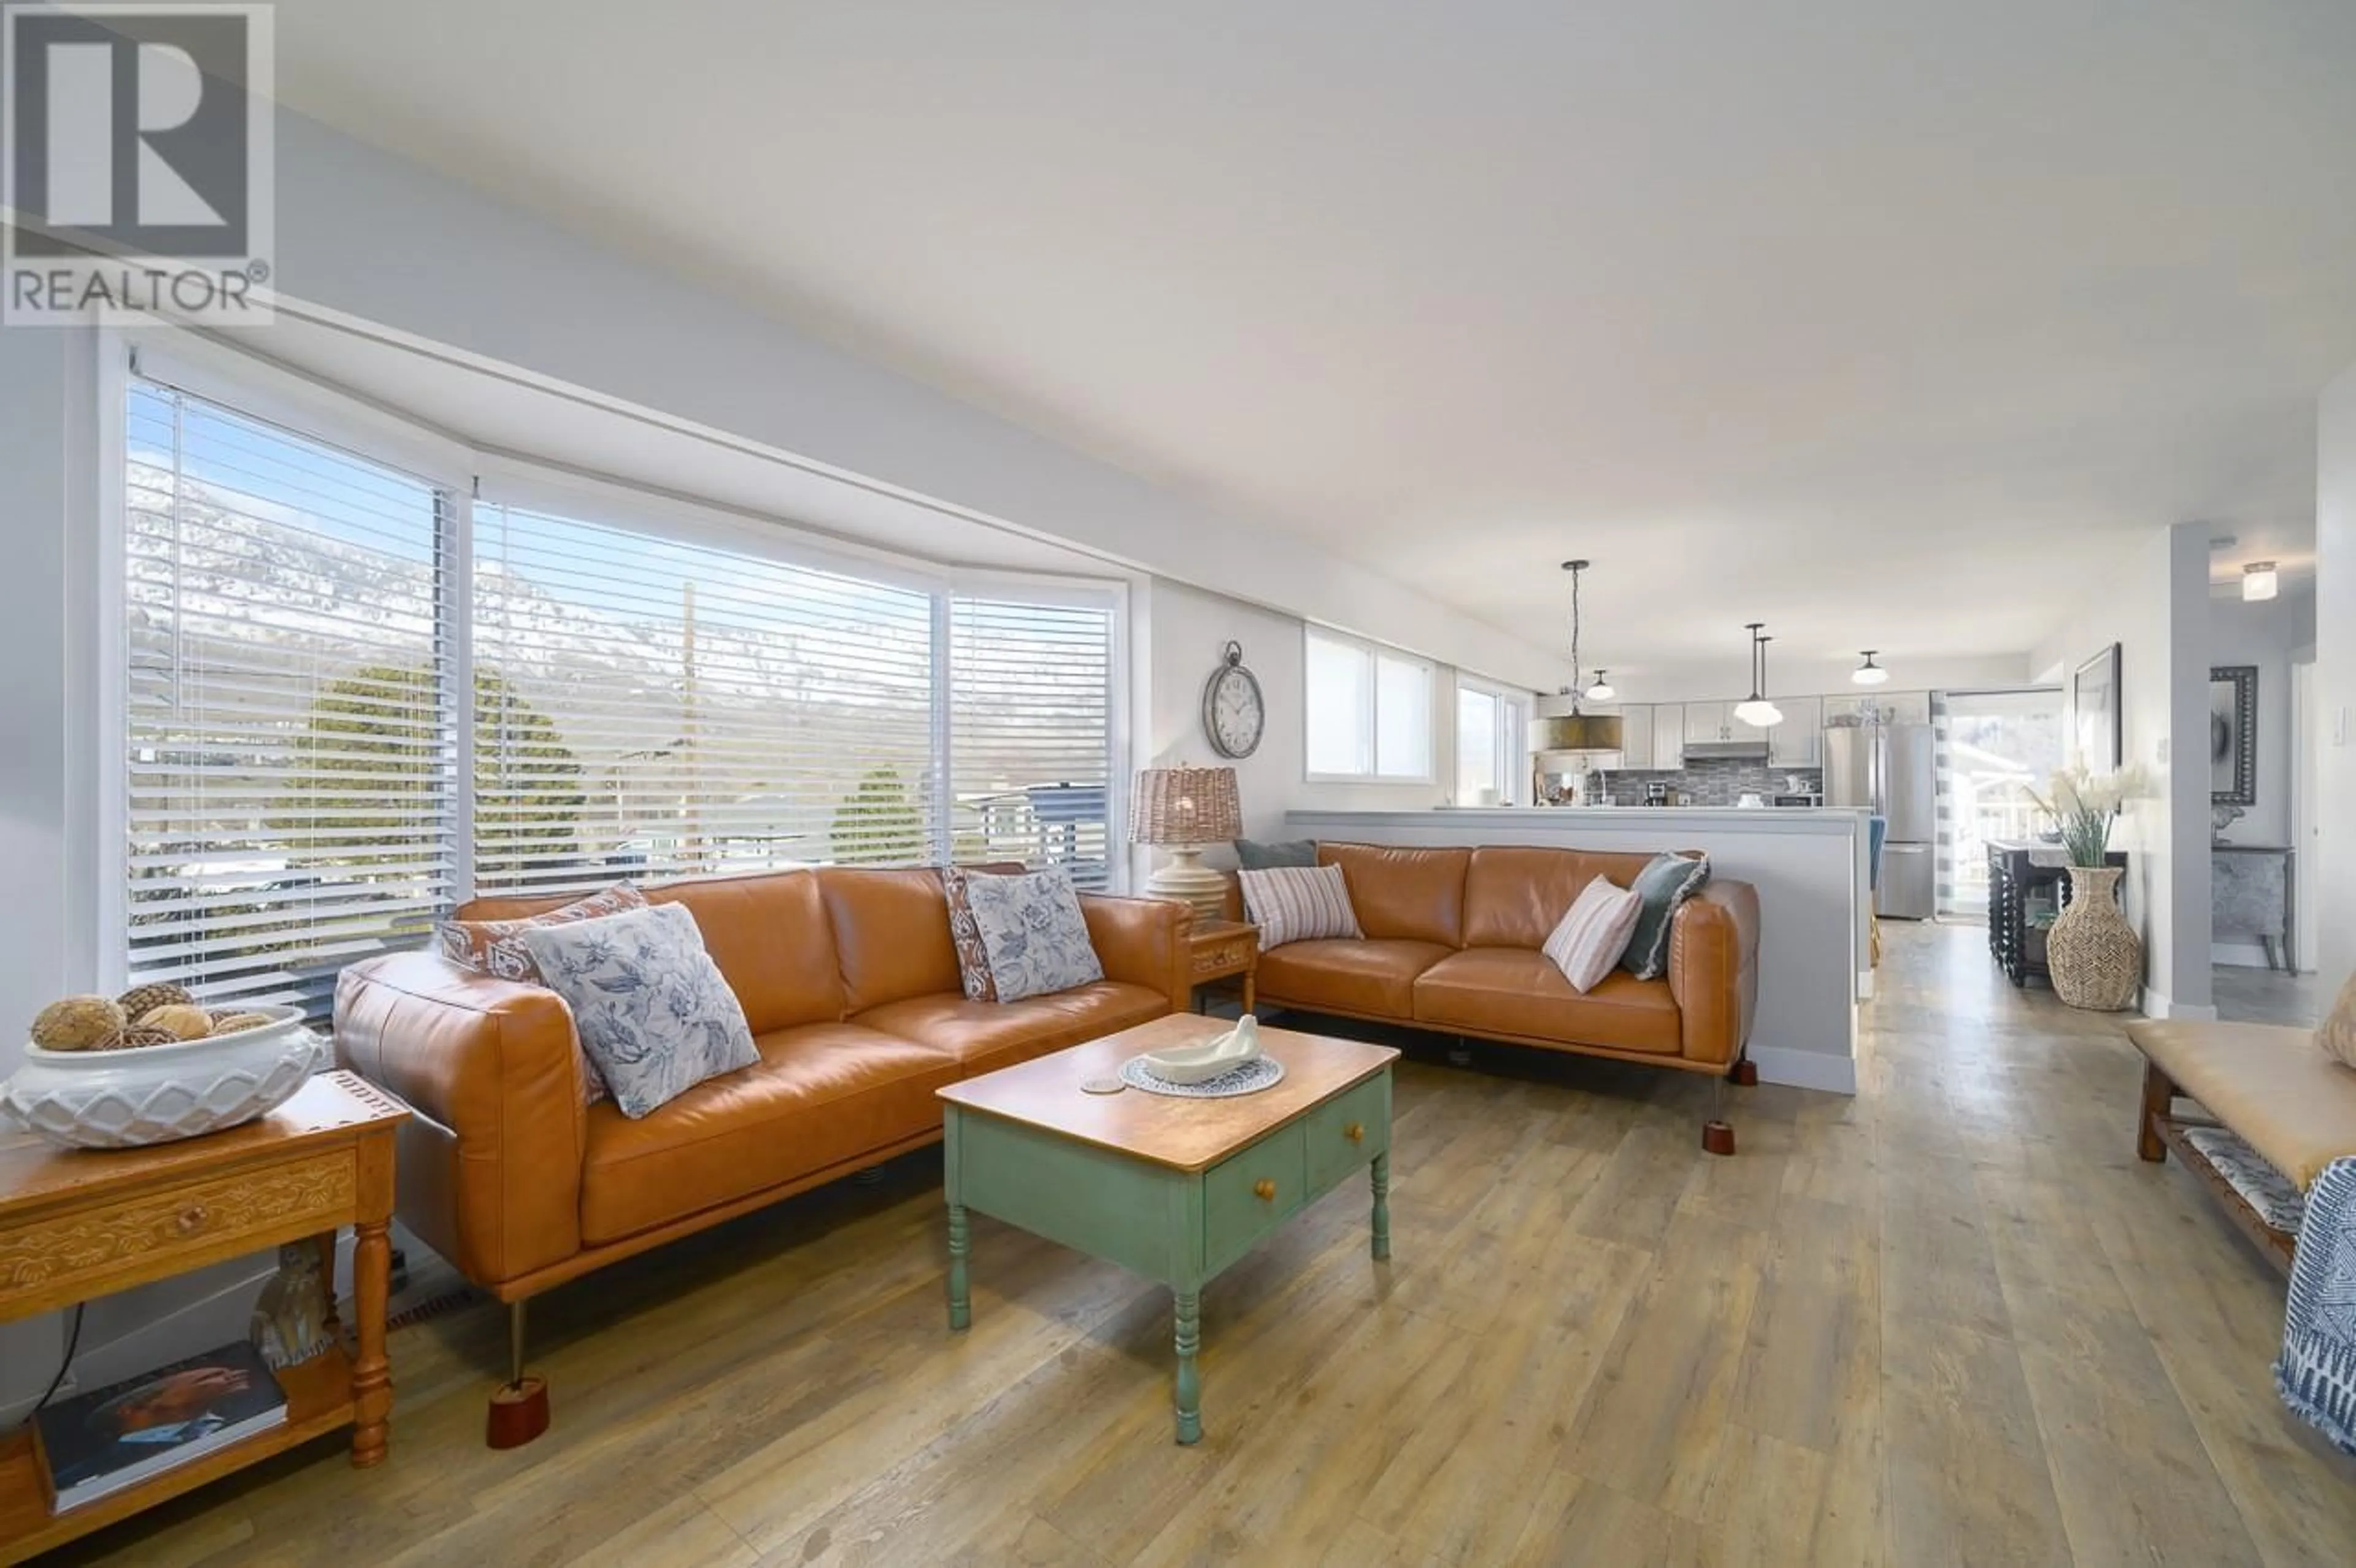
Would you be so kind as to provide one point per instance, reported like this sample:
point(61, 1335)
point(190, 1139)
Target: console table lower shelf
point(81, 1223)
point(1174, 1189)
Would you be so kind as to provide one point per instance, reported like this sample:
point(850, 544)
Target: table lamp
point(1184, 808)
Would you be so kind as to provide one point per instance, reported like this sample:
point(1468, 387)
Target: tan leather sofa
point(2270, 1085)
point(1453, 941)
point(850, 981)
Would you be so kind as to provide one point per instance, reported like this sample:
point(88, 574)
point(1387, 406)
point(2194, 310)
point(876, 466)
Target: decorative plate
point(1260, 1072)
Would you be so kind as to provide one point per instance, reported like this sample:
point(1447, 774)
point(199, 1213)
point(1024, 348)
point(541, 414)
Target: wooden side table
point(78, 1224)
point(1223, 950)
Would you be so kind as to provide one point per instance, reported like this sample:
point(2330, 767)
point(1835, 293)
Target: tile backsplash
point(1716, 781)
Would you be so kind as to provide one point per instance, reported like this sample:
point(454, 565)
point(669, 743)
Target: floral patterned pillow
point(496, 948)
point(650, 1005)
point(1032, 930)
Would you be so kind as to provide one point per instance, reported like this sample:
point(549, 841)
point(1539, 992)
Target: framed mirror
point(2098, 724)
point(2232, 735)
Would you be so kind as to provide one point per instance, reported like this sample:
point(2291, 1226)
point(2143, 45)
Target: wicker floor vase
point(2095, 956)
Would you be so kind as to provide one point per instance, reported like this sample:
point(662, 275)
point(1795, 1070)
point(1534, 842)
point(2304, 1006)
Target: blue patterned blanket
point(2315, 1374)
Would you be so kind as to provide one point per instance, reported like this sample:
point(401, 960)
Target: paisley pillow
point(496, 947)
point(973, 958)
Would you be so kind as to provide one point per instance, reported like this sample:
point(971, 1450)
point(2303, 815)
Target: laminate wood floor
point(1951, 1321)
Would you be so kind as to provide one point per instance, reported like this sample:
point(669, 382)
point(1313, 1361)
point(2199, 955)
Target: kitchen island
point(1808, 864)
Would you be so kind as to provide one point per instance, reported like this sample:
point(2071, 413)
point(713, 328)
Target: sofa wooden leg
point(519, 1406)
point(1717, 1134)
point(1743, 1074)
point(2159, 1098)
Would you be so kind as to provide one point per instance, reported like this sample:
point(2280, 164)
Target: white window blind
point(649, 708)
point(1030, 717)
point(290, 757)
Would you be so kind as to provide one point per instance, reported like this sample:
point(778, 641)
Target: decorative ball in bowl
point(130, 1095)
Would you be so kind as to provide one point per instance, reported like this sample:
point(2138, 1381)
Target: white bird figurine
point(1196, 1064)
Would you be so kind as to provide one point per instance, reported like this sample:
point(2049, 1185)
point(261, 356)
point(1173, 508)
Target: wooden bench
point(2272, 1087)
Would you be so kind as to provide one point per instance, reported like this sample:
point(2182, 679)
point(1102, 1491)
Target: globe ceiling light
point(1601, 691)
point(1756, 710)
point(1869, 672)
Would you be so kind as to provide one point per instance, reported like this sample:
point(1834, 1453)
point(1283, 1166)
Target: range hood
point(1726, 750)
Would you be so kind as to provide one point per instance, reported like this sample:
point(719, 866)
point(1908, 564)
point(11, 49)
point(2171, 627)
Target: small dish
point(1199, 1063)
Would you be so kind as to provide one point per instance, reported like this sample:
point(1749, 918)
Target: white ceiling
point(1882, 321)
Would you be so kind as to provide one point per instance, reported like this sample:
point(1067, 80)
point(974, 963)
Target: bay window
point(352, 694)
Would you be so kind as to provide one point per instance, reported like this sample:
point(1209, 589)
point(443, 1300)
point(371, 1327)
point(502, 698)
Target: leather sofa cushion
point(2271, 1084)
point(986, 1035)
point(891, 933)
point(1405, 895)
point(1514, 896)
point(769, 933)
point(1512, 991)
point(1368, 978)
point(822, 1095)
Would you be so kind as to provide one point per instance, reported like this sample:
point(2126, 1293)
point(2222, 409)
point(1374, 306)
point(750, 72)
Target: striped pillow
point(1298, 903)
point(1587, 944)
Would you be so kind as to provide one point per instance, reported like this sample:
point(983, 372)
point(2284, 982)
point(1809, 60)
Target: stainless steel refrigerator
point(1887, 769)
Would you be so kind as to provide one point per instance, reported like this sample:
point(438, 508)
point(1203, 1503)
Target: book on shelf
point(97, 1443)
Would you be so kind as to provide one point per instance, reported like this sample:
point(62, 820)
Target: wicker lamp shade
point(1185, 806)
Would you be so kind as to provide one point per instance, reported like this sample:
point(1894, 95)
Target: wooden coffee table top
point(1168, 1129)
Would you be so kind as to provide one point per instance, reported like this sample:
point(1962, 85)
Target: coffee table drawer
point(1248, 1194)
point(1347, 1131)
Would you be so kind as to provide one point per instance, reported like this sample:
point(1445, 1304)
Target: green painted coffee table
point(1170, 1188)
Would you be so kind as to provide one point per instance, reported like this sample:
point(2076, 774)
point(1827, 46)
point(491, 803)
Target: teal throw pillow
point(1663, 885)
point(1254, 855)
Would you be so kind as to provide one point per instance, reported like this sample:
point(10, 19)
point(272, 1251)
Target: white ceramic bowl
point(155, 1094)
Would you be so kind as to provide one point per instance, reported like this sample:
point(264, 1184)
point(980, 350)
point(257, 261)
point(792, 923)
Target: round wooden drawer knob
point(1356, 1131)
point(1264, 1190)
point(192, 1219)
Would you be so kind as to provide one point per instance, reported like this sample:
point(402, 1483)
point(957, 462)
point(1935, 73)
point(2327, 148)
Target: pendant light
point(1601, 691)
point(1869, 672)
point(1757, 712)
point(1574, 731)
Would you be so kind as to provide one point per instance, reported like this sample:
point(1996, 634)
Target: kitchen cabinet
point(1798, 741)
point(1636, 736)
point(1668, 738)
point(1906, 707)
point(1707, 721)
point(1894, 706)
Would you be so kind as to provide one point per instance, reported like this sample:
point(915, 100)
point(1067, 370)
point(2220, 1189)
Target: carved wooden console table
point(78, 1224)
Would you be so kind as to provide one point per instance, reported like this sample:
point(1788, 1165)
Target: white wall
point(2155, 608)
point(1730, 677)
point(1184, 631)
point(365, 233)
point(2335, 672)
point(2271, 635)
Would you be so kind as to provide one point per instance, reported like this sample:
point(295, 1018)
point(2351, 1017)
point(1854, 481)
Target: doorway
point(1995, 747)
point(2306, 830)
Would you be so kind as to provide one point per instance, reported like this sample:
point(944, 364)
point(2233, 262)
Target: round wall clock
point(1233, 712)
